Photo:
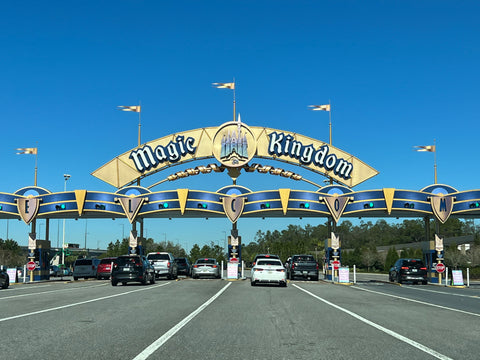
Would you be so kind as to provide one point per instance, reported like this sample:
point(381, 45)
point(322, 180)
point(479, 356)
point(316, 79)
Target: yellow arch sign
point(234, 144)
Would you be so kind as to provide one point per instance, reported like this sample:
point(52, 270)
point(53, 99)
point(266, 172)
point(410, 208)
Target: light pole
point(66, 177)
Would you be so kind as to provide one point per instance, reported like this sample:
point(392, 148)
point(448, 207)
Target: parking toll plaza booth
point(42, 259)
point(332, 257)
point(434, 259)
point(230, 150)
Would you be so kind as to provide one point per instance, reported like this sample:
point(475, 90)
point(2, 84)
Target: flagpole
point(435, 160)
point(330, 120)
point(36, 167)
point(234, 103)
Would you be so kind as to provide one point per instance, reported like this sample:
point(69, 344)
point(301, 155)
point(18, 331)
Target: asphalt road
point(218, 319)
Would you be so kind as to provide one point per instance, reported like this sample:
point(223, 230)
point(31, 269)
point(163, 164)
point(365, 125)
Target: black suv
point(408, 270)
point(136, 268)
point(183, 266)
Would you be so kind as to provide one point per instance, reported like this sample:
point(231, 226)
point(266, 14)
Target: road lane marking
point(50, 291)
point(379, 327)
point(417, 301)
point(440, 292)
point(165, 337)
point(80, 303)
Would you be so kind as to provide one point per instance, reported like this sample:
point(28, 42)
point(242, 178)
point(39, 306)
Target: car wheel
point(252, 283)
point(424, 282)
point(114, 282)
point(75, 278)
point(399, 279)
point(124, 283)
point(5, 285)
point(152, 279)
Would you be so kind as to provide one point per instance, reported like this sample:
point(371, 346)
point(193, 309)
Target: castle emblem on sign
point(234, 144)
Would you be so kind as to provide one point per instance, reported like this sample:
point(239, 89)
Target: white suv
point(164, 264)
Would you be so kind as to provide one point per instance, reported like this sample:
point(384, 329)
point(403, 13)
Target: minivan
point(85, 268)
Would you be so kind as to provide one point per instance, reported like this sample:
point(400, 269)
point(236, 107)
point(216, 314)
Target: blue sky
point(397, 73)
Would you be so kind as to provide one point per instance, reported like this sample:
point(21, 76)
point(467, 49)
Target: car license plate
point(414, 270)
point(126, 268)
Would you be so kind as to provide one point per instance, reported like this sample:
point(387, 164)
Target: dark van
point(85, 268)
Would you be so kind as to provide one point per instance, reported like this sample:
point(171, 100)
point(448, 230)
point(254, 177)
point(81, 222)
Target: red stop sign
point(440, 267)
point(31, 266)
point(336, 264)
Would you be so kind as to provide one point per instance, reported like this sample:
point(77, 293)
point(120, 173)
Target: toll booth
point(41, 255)
point(433, 258)
point(332, 260)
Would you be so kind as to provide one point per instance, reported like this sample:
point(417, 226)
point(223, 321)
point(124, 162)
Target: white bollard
point(354, 274)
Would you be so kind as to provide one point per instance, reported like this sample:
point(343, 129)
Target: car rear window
point(413, 263)
point(181, 260)
point(269, 262)
point(106, 261)
point(206, 261)
point(158, 257)
point(83, 262)
point(304, 258)
point(126, 260)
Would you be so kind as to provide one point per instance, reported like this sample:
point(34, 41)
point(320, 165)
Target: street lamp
point(66, 177)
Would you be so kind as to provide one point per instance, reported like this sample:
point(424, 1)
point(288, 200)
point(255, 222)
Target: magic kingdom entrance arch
point(234, 145)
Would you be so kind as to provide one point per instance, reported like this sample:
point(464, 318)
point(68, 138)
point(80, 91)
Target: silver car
point(207, 267)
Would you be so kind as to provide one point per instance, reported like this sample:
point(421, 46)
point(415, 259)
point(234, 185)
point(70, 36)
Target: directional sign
point(440, 268)
point(31, 266)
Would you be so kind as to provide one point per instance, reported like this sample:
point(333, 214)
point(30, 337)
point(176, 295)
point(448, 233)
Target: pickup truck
point(302, 266)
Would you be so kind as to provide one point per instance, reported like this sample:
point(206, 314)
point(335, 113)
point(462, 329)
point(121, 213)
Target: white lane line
point(417, 301)
point(80, 303)
point(165, 337)
point(379, 327)
point(440, 292)
point(50, 291)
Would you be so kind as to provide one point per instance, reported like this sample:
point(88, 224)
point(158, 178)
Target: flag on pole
point(224, 85)
point(429, 148)
point(320, 107)
point(136, 108)
point(27, 151)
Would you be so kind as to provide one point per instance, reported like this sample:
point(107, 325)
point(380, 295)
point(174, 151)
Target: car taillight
point(168, 264)
point(258, 269)
point(93, 267)
point(404, 268)
point(195, 266)
point(316, 266)
point(281, 270)
point(293, 266)
point(423, 268)
point(214, 266)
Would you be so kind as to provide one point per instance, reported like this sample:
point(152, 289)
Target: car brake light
point(281, 270)
point(258, 269)
point(293, 266)
point(195, 266)
point(316, 266)
point(423, 268)
point(168, 264)
point(404, 268)
point(214, 266)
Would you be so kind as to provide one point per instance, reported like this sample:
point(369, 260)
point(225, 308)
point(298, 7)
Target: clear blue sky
point(398, 74)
